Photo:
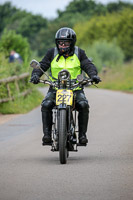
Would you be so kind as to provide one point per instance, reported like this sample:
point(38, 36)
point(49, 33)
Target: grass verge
point(22, 104)
point(119, 78)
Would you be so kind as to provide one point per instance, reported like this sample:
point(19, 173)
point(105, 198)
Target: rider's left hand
point(96, 79)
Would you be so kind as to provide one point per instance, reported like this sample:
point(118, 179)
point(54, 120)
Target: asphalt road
point(101, 171)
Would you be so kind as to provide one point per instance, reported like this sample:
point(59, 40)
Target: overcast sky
point(47, 8)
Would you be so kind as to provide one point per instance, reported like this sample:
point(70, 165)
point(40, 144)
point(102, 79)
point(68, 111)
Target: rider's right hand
point(35, 79)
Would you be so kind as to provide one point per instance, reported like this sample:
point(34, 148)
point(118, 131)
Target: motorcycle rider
point(65, 56)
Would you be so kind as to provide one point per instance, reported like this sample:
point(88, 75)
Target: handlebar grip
point(30, 81)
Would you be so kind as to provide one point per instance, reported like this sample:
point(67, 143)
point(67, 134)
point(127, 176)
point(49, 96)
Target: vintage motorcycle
point(64, 126)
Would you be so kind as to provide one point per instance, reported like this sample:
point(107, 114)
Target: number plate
point(65, 96)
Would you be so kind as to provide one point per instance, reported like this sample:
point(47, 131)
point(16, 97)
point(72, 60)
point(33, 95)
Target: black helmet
point(65, 34)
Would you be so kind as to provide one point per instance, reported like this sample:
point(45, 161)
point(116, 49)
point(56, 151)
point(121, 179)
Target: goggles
point(65, 42)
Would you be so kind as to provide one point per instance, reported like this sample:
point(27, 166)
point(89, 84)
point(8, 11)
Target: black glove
point(96, 79)
point(35, 79)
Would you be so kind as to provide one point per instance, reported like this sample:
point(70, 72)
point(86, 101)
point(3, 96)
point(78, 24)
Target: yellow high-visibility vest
point(72, 64)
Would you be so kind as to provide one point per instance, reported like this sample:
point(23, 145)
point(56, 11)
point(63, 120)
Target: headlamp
point(64, 75)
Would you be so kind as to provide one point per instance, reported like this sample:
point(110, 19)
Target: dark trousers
point(81, 105)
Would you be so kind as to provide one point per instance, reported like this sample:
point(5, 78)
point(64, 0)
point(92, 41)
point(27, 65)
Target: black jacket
point(86, 65)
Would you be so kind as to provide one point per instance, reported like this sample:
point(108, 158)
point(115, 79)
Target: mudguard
point(62, 106)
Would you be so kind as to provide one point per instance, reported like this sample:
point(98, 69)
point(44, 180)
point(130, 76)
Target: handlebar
point(47, 82)
point(73, 86)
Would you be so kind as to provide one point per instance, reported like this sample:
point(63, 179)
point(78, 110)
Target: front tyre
point(62, 136)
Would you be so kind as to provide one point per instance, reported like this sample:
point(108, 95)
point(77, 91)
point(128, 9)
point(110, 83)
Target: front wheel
point(62, 136)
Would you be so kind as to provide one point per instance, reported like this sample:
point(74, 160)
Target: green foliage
point(3, 91)
point(105, 54)
point(40, 32)
point(116, 26)
point(10, 69)
point(28, 26)
point(118, 6)
point(124, 29)
point(6, 13)
point(22, 84)
point(120, 78)
point(80, 11)
point(83, 10)
point(22, 104)
point(12, 41)
point(46, 38)
point(3, 65)
point(22, 22)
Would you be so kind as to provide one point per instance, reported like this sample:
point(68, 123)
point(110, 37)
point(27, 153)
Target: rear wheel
point(62, 137)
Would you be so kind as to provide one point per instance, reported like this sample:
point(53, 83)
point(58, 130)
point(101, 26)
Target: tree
point(28, 26)
point(80, 10)
point(124, 30)
point(116, 26)
point(6, 12)
point(118, 6)
point(24, 23)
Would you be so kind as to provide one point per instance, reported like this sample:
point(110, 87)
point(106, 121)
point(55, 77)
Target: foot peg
point(47, 144)
point(82, 145)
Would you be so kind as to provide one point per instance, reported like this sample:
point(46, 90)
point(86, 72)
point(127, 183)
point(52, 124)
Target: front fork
point(71, 127)
point(55, 126)
point(54, 130)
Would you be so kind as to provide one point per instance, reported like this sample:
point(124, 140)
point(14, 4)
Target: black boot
point(83, 139)
point(47, 139)
point(47, 126)
point(83, 122)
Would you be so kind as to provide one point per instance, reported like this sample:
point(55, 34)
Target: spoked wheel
point(63, 154)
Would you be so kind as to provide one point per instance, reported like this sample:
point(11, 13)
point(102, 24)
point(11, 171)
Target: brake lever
point(95, 85)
